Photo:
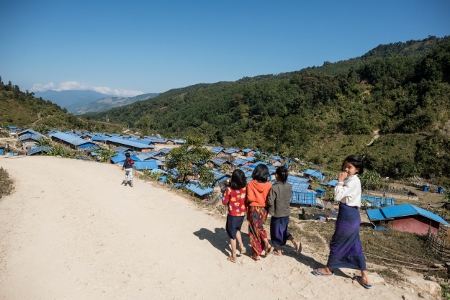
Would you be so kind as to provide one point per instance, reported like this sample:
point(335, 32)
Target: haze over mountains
point(83, 101)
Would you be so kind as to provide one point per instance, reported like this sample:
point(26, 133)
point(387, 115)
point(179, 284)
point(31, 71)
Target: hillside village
point(312, 188)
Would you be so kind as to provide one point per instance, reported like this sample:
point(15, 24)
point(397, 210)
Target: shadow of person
point(219, 238)
point(309, 261)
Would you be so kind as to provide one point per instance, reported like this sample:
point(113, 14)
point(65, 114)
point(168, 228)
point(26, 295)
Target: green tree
point(190, 160)
point(145, 123)
point(371, 180)
point(44, 142)
point(447, 195)
point(106, 154)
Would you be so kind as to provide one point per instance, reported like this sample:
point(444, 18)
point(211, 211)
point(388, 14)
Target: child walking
point(128, 167)
point(345, 245)
point(257, 191)
point(235, 197)
point(279, 207)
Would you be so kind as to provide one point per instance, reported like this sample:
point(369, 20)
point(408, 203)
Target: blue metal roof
point(216, 150)
point(218, 161)
point(239, 162)
point(231, 150)
point(118, 158)
point(399, 211)
point(250, 158)
point(29, 136)
point(247, 150)
point(130, 143)
point(252, 166)
point(145, 165)
point(35, 150)
point(404, 210)
point(97, 138)
point(295, 179)
point(197, 190)
point(376, 215)
point(174, 172)
point(165, 150)
point(378, 201)
point(29, 131)
point(147, 142)
point(69, 138)
point(332, 182)
point(309, 172)
point(217, 174)
point(121, 149)
point(148, 155)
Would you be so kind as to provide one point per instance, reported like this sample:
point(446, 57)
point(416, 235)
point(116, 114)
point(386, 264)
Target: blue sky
point(134, 47)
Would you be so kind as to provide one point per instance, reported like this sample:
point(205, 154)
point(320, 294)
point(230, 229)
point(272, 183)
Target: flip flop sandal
point(317, 272)
point(359, 280)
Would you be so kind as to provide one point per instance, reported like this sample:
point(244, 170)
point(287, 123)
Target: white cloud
point(42, 87)
point(76, 85)
point(72, 85)
point(117, 92)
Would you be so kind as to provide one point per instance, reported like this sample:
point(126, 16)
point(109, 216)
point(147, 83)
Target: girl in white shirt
point(345, 245)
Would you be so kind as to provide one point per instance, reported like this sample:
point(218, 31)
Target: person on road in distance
point(128, 167)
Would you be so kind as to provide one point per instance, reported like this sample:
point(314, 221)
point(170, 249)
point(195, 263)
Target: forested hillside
point(400, 91)
point(22, 109)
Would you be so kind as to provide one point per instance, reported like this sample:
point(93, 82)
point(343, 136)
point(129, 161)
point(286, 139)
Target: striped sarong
point(256, 217)
point(345, 245)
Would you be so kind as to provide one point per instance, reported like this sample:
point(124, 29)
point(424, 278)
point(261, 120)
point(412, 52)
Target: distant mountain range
point(83, 101)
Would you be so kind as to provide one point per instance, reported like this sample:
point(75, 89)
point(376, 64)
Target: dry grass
point(6, 184)
point(389, 251)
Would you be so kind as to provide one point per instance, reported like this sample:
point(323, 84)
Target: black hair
point(282, 173)
point(127, 154)
point(356, 161)
point(261, 173)
point(238, 180)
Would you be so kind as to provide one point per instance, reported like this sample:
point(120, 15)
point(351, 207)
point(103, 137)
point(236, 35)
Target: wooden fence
point(440, 244)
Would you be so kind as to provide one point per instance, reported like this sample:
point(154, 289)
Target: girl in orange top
point(257, 191)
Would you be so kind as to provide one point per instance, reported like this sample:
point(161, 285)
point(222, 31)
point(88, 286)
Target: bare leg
point(233, 250)
point(297, 246)
point(268, 248)
point(278, 251)
point(239, 240)
point(364, 277)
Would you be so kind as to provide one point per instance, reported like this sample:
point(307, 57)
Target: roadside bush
point(5, 183)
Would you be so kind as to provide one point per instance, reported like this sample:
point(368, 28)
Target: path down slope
point(71, 231)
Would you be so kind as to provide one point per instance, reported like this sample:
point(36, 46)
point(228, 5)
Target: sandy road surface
point(71, 231)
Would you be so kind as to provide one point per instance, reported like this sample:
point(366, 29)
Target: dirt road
point(71, 231)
